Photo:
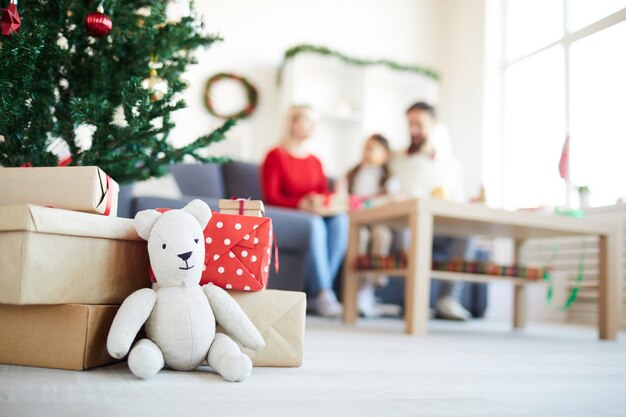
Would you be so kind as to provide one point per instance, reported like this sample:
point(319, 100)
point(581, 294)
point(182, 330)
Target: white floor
point(475, 369)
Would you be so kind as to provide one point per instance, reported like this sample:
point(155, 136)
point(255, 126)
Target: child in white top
point(369, 182)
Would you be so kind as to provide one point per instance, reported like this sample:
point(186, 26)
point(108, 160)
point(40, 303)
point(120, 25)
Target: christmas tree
point(66, 68)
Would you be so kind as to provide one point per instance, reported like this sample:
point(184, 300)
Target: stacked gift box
point(399, 261)
point(239, 242)
point(67, 263)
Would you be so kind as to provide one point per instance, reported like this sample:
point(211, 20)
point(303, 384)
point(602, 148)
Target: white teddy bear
point(180, 316)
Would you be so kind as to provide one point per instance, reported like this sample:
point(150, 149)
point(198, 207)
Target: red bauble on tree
point(98, 24)
point(10, 19)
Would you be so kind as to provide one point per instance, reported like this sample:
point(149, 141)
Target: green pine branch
point(55, 78)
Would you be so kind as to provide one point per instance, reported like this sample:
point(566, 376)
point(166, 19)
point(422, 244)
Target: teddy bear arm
point(131, 315)
point(232, 318)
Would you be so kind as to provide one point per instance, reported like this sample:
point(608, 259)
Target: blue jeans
point(329, 242)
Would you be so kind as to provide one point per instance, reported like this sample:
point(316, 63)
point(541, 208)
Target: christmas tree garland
point(321, 50)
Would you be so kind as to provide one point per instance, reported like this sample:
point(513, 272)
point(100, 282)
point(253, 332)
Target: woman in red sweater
point(291, 177)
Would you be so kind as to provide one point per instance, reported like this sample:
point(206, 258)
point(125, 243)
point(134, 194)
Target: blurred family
point(294, 178)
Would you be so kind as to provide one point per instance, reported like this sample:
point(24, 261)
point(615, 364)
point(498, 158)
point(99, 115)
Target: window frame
point(568, 38)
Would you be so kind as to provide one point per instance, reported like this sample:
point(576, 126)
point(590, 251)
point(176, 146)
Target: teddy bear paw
point(235, 366)
point(145, 359)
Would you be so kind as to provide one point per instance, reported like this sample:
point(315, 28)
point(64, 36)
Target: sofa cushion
point(243, 180)
point(206, 180)
point(292, 228)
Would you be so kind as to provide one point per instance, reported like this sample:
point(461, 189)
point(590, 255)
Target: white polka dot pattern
point(242, 263)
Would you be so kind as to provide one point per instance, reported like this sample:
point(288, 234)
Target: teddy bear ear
point(200, 210)
point(144, 222)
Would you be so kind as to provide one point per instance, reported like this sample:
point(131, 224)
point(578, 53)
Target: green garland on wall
point(321, 50)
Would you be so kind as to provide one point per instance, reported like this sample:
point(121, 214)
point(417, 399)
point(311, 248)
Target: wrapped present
point(69, 336)
point(54, 256)
point(87, 189)
point(242, 207)
point(238, 252)
point(279, 316)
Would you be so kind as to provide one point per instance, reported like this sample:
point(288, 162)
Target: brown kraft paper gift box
point(87, 189)
point(280, 317)
point(54, 256)
point(254, 208)
point(71, 336)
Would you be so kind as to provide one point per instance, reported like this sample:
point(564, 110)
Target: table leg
point(519, 307)
point(350, 282)
point(519, 292)
point(609, 291)
point(417, 292)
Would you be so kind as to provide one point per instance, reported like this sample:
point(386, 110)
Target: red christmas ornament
point(98, 24)
point(10, 19)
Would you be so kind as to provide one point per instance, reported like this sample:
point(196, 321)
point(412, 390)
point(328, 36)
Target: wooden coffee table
point(425, 217)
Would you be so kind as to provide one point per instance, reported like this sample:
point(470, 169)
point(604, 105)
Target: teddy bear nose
point(185, 256)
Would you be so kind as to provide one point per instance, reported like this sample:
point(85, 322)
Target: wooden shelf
point(377, 272)
point(465, 276)
point(448, 276)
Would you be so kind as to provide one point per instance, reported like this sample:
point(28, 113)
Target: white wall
point(445, 34)
point(256, 34)
point(461, 61)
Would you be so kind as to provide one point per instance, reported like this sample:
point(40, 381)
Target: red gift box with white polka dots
point(238, 252)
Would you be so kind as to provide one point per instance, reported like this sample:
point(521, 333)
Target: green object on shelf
point(322, 50)
point(579, 214)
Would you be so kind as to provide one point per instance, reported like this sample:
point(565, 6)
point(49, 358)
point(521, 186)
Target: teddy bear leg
point(226, 359)
point(145, 359)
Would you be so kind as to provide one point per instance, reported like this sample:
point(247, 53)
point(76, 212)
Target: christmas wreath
point(251, 93)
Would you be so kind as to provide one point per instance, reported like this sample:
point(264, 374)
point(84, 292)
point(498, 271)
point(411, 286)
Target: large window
point(565, 75)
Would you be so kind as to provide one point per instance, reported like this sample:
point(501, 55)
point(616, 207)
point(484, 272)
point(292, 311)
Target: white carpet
point(476, 369)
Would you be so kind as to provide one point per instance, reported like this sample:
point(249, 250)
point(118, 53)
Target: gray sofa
point(211, 182)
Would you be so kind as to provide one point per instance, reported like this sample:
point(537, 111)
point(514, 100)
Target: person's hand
point(305, 203)
point(314, 203)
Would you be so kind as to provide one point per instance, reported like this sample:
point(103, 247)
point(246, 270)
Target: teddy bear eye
point(163, 246)
point(195, 240)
